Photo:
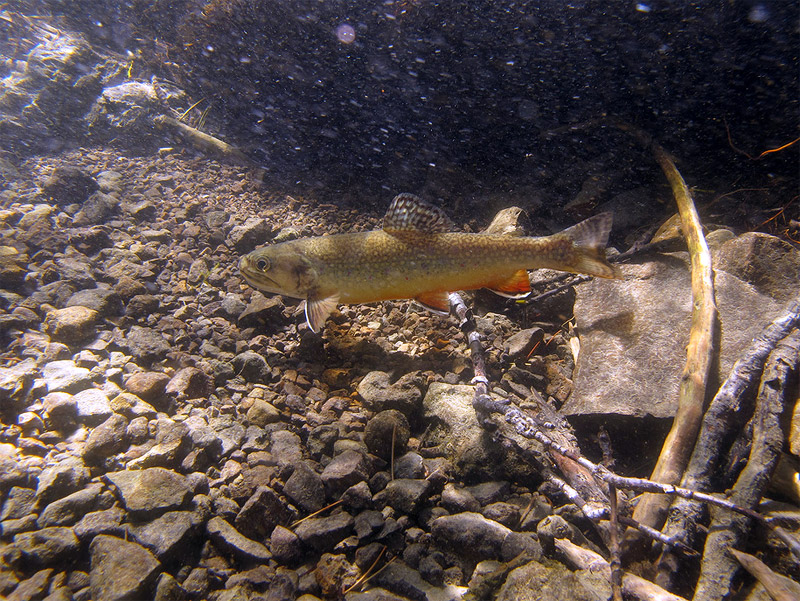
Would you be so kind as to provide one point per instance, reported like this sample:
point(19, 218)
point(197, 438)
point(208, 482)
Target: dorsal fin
point(409, 213)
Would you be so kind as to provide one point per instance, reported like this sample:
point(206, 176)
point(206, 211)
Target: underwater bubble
point(642, 7)
point(528, 110)
point(758, 14)
point(345, 33)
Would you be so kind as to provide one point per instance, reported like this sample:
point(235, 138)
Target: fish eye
point(262, 264)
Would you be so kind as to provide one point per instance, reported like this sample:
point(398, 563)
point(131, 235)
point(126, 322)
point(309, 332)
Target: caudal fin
point(590, 238)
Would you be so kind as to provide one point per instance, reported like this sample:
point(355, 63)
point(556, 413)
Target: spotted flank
point(417, 255)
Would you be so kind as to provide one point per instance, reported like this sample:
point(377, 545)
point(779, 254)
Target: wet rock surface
point(167, 432)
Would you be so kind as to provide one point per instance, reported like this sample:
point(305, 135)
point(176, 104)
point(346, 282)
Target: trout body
point(412, 258)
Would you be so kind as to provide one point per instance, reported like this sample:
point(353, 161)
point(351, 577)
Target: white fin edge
point(318, 310)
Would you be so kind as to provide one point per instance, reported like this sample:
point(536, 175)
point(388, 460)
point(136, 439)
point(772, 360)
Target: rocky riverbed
point(168, 432)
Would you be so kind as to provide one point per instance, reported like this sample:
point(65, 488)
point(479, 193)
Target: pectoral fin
point(318, 310)
point(517, 286)
point(436, 302)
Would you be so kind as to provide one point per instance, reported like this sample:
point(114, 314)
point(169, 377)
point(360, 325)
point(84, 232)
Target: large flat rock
point(634, 331)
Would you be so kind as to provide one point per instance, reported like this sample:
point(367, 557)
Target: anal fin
point(318, 310)
point(436, 302)
point(517, 286)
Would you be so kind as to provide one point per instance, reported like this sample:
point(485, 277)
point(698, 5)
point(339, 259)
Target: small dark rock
point(227, 537)
point(262, 512)
point(107, 521)
point(68, 510)
point(252, 367)
point(285, 545)
point(145, 344)
point(121, 570)
point(150, 491)
point(387, 432)
point(69, 185)
point(409, 466)
point(404, 495)
point(305, 488)
point(106, 439)
point(168, 536)
point(322, 534)
point(48, 545)
point(189, 383)
point(379, 392)
point(106, 302)
point(346, 469)
point(150, 386)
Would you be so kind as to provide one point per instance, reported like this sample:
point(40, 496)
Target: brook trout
point(417, 255)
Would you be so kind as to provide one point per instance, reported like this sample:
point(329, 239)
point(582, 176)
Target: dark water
point(399, 94)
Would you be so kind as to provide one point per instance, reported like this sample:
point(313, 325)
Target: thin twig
point(311, 515)
point(613, 536)
point(366, 575)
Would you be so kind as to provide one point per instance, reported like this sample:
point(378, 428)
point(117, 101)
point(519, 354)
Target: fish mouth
point(253, 277)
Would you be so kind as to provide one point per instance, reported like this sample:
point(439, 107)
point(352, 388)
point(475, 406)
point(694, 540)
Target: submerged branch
point(632, 586)
point(723, 416)
point(680, 441)
point(203, 141)
point(728, 530)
